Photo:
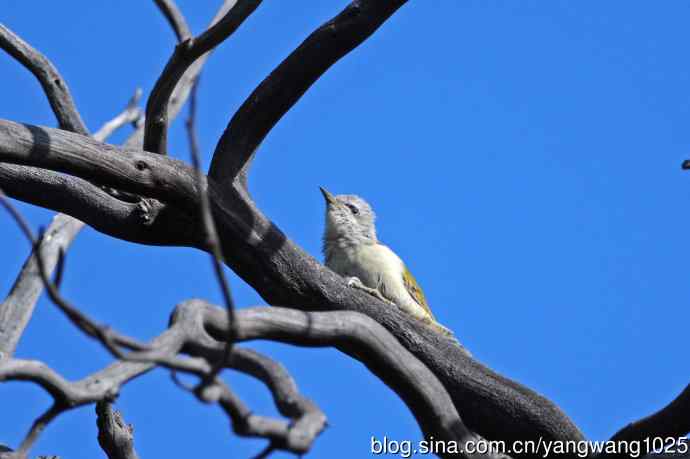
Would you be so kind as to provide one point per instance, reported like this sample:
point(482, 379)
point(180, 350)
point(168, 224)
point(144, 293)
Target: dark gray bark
point(453, 396)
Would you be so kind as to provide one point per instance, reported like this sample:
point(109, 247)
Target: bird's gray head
point(349, 221)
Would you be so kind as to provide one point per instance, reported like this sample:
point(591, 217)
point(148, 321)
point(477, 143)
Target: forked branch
point(185, 54)
point(492, 405)
point(193, 325)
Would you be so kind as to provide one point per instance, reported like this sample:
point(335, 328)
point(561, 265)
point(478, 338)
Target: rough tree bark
point(135, 193)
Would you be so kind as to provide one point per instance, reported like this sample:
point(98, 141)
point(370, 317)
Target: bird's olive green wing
point(415, 291)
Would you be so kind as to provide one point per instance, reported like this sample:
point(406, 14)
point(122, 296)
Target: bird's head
point(349, 218)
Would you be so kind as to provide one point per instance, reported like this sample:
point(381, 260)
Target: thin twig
point(212, 239)
point(185, 54)
point(38, 426)
point(264, 453)
point(108, 337)
point(130, 114)
point(175, 18)
point(181, 91)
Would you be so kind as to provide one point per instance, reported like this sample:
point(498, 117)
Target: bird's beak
point(330, 199)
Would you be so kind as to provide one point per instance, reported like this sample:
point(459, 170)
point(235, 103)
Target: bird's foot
point(354, 282)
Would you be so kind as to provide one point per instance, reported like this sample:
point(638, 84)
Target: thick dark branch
point(290, 80)
point(156, 224)
point(53, 84)
point(492, 405)
point(185, 54)
point(672, 421)
point(133, 171)
point(114, 435)
point(175, 18)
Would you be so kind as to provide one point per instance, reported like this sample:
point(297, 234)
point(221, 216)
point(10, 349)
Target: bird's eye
point(353, 209)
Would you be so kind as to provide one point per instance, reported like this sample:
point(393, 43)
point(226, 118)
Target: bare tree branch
point(52, 82)
point(357, 334)
point(23, 144)
point(672, 421)
point(175, 18)
point(18, 307)
point(38, 427)
point(362, 338)
point(434, 376)
point(181, 92)
point(493, 406)
point(286, 396)
point(110, 338)
point(264, 453)
point(186, 53)
point(130, 114)
point(118, 444)
point(114, 435)
point(210, 232)
point(155, 223)
point(290, 80)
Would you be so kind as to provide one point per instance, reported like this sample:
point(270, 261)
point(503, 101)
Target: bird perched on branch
point(352, 250)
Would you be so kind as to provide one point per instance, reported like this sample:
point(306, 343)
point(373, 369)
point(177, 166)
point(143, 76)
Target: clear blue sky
point(523, 158)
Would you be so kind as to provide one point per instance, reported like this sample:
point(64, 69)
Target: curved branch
point(352, 332)
point(185, 54)
point(181, 92)
point(672, 421)
point(282, 273)
point(175, 18)
point(52, 82)
point(307, 415)
point(280, 90)
point(360, 337)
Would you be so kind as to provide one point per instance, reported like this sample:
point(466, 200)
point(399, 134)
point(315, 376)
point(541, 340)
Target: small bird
point(352, 250)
